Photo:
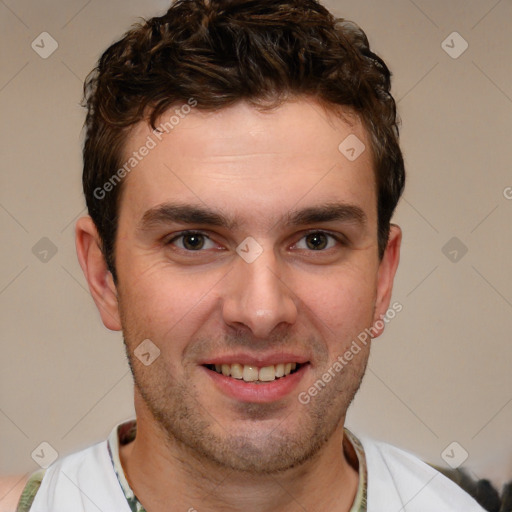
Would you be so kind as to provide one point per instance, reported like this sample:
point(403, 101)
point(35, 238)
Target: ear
point(99, 278)
point(385, 278)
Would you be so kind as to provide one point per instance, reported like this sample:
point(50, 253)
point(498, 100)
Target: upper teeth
point(252, 373)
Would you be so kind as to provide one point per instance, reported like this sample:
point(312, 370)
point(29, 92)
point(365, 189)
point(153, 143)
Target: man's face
point(271, 182)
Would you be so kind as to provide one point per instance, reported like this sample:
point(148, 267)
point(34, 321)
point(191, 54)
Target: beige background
point(441, 372)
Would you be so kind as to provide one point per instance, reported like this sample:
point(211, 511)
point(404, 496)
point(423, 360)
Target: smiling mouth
point(254, 374)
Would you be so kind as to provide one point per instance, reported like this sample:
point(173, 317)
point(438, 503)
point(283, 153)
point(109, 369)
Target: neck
point(162, 472)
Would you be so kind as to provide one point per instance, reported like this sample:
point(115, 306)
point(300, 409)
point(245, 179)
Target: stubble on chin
point(268, 440)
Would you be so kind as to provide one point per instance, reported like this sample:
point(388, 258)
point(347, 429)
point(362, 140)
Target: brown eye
point(192, 242)
point(317, 241)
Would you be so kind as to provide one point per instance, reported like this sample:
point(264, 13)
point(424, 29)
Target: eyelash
point(338, 238)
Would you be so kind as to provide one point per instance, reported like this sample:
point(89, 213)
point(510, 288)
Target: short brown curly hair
point(220, 52)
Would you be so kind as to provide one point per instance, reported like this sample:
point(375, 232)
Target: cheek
point(340, 303)
point(163, 304)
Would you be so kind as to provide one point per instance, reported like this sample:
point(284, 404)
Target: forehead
point(250, 161)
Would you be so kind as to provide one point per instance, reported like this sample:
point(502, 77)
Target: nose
point(257, 297)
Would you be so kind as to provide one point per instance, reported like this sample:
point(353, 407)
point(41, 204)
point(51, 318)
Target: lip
point(257, 393)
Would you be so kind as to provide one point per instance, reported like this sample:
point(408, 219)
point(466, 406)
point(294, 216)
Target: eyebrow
point(329, 212)
point(194, 214)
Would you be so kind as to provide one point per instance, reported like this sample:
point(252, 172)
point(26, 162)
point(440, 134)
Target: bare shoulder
point(11, 488)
